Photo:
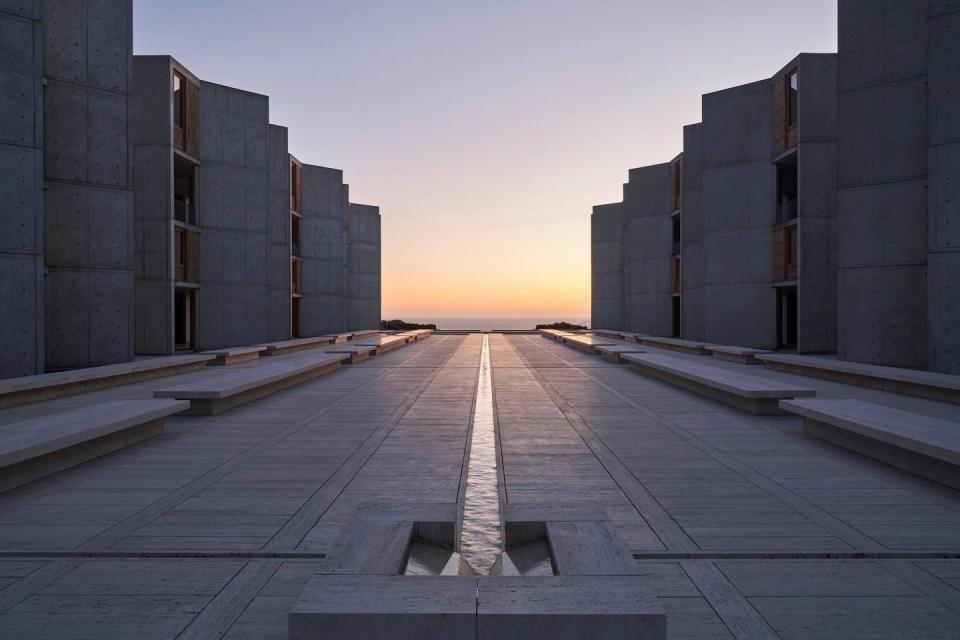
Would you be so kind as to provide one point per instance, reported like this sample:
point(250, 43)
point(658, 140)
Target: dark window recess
point(793, 91)
point(675, 179)
point(295, 235)
point(184, 191)
point(787, 318)
point(676, 316)
point(184, 319)
point(675, 275)
point(676, 235)
point(787, 191)
point(295, 317)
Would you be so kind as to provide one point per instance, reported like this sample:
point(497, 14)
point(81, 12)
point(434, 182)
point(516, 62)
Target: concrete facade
point(606, 269)
point(21, 190)
point(324, 211)
point(852, 172)
point(88, 200)
point(737, 196)
point(363, 277)
point(647, 250)
point(898, 210)
point(693, 320)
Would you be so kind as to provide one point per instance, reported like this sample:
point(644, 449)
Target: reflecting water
point(480, 542)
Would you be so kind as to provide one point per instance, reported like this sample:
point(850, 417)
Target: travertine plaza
point(203, 433)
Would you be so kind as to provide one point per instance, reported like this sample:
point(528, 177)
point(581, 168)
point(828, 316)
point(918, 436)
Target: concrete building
point(363, 274)
point(899, 204)
point(818, 209)
point(150, 212)
point(66, 250)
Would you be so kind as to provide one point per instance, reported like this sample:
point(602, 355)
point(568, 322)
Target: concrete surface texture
point(153, 203)
point(692, 318)
point(324, 207)
point(234, 304)
point(606, 266)
point(816, 159)
point(21, 188)
point(740, 525)
point(736, 198)
point(647, 250)
point(363, 267)
point(88, 202)
point(899, 127)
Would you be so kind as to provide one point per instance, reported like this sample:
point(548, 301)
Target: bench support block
point(917, 463)
point(29, 470)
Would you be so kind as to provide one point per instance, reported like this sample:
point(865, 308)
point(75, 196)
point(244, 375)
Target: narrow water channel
point(480, 540)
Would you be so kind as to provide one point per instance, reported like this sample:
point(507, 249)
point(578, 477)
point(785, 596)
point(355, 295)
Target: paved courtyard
point(743, 526)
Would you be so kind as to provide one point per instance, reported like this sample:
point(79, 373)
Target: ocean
point(489, 324)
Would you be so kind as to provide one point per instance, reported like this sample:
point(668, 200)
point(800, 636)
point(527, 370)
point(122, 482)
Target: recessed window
point(793, 87)
point(179, 95)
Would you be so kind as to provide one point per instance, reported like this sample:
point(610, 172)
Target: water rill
point(480, 539)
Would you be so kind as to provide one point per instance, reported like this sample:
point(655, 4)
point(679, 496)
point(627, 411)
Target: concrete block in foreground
point(377, 607)
point(568, 608)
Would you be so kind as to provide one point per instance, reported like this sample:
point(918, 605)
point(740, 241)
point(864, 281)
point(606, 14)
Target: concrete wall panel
point(880, 41)
point(740, 314)
point(20, 299)
point(944, 312)
point(883, 224)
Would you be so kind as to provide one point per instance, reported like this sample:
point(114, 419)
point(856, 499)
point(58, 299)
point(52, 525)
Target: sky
point(485, 131)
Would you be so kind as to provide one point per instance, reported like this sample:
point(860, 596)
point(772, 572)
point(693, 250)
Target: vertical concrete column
point(278, 225)
point(817, 203)
point(324, 210)
point(647, 250)
point(882, 207)
point(363, 280)
point(153, 204)
point(738, 212)
point(943, 195)
point(234, 300)
point(692, 317)
point(21, 191)
point(88, 53)
point(607, 268)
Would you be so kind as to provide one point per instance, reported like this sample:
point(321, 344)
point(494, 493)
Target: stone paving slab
point(740, 525)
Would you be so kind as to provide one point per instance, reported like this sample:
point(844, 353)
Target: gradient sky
point(485, 131)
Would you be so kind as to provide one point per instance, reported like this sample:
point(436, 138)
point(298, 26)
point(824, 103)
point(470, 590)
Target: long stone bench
point(38, 447)
point(614, 352)
point(284, 347)
point(233, 387)
point(364, 333)
point(607, 333)
point(48, 386)
point(911, 382)
point(338, 338)
point(417, 334)
point(352, 353)
point(382, 344)
point(556, 334)
point(633, 337)
point(926, 446)
point(743, 355)
point(588, 344)
point(676, 344)
point(233, 355)
point(743, 391)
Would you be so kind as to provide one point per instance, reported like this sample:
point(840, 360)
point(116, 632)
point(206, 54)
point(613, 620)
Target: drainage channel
point(480, 538)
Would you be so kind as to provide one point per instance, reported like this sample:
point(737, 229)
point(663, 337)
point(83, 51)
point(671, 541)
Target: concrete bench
point(234, 355)
point(614, 352)
point(48, 386)
point(607, 333)
point(292, 346)
point(417, 334)
point(911, 382)
point(230, 388)
point(587, 344)
point(676, 344)
point(743, 355)
point(364, 333)
point(39, 447)
point(555, 334)
point(352, 353)
point(382, 344)
point(923, 445)
point(338, 338)
point(743, 391)
point(633, 337)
